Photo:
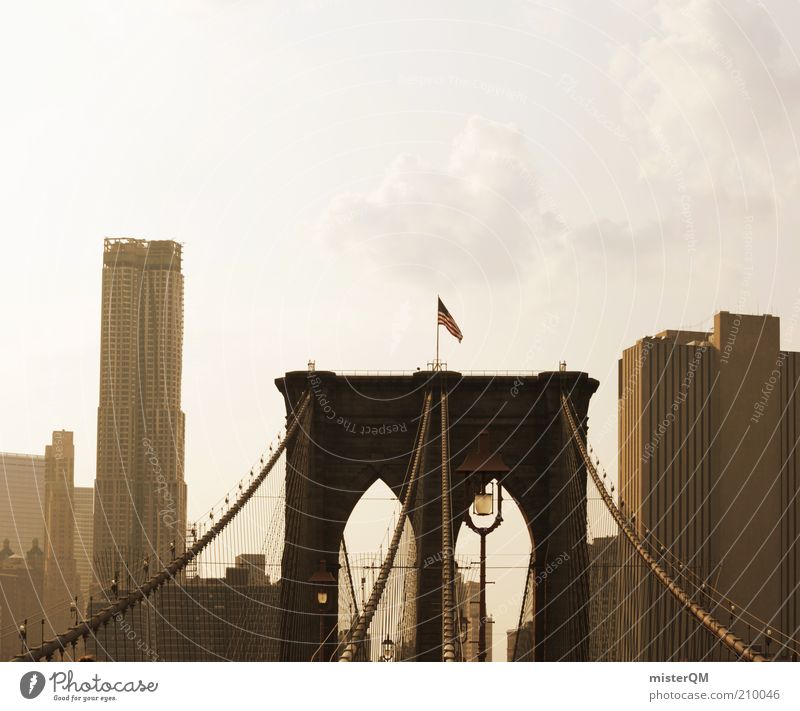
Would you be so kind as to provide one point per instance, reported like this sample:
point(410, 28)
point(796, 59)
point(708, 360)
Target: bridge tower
point(363, 428)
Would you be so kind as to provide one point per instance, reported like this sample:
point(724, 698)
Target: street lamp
point(321, 579)
point(480, 470)
point(387, 648)
point(23, 635)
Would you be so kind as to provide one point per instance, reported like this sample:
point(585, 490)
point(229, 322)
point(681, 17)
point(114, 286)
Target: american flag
point(446, 320)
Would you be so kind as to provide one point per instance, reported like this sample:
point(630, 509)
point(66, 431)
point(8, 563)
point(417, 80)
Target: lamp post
point(480, 470)
point(321, 579)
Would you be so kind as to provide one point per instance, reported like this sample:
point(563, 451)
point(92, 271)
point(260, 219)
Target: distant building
point(709, 464)
point(235, 618)
point(38, 503)
point(60, 577)
point(519, 643)
point(83, 506)
point(21, 583)
point(472, 607)
point(255, 565)
point(21, 499)
point(604, 584)
point(140, 494)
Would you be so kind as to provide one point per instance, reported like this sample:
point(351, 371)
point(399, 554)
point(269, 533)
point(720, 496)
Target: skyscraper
point(708, 437)
point(140, 494)
point(60, 583)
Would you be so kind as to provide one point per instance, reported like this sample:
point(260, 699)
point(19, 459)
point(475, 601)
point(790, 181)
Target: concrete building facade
point(707, 465)
point(83, 506)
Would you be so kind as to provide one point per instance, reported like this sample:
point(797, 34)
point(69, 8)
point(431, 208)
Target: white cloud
point(712, 99)
point(483, 213)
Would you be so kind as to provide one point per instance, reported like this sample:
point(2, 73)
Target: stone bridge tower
point(363, 428)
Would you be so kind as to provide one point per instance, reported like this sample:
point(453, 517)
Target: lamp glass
point(388, 649)
point(484, 504)
point(322, 597)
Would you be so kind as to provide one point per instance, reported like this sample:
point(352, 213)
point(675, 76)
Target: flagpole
point(436, 367)
point(437, 341)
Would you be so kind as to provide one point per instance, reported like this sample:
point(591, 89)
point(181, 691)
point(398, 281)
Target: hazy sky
point(569, 176)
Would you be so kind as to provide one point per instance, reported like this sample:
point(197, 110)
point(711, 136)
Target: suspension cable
point(448, 623)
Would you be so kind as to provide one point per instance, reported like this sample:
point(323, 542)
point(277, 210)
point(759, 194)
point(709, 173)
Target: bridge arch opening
point(508, 555)
point(365, 543)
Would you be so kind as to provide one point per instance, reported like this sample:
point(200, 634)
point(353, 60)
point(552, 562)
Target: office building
point(708, 465)
point(21, 499)
point(83, 506)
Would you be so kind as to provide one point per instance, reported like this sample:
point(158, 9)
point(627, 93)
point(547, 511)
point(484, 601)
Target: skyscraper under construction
point(140, 499)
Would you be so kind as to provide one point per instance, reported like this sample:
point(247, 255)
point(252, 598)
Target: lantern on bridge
point(480, 469)
point(321, 579)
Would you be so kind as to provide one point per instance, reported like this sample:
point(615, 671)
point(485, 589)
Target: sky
point(569, 177)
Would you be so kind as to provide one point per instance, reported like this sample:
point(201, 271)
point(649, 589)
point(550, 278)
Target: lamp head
point(387, 649)
point(479, 468)
point(322, 579)
point(484, 462)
